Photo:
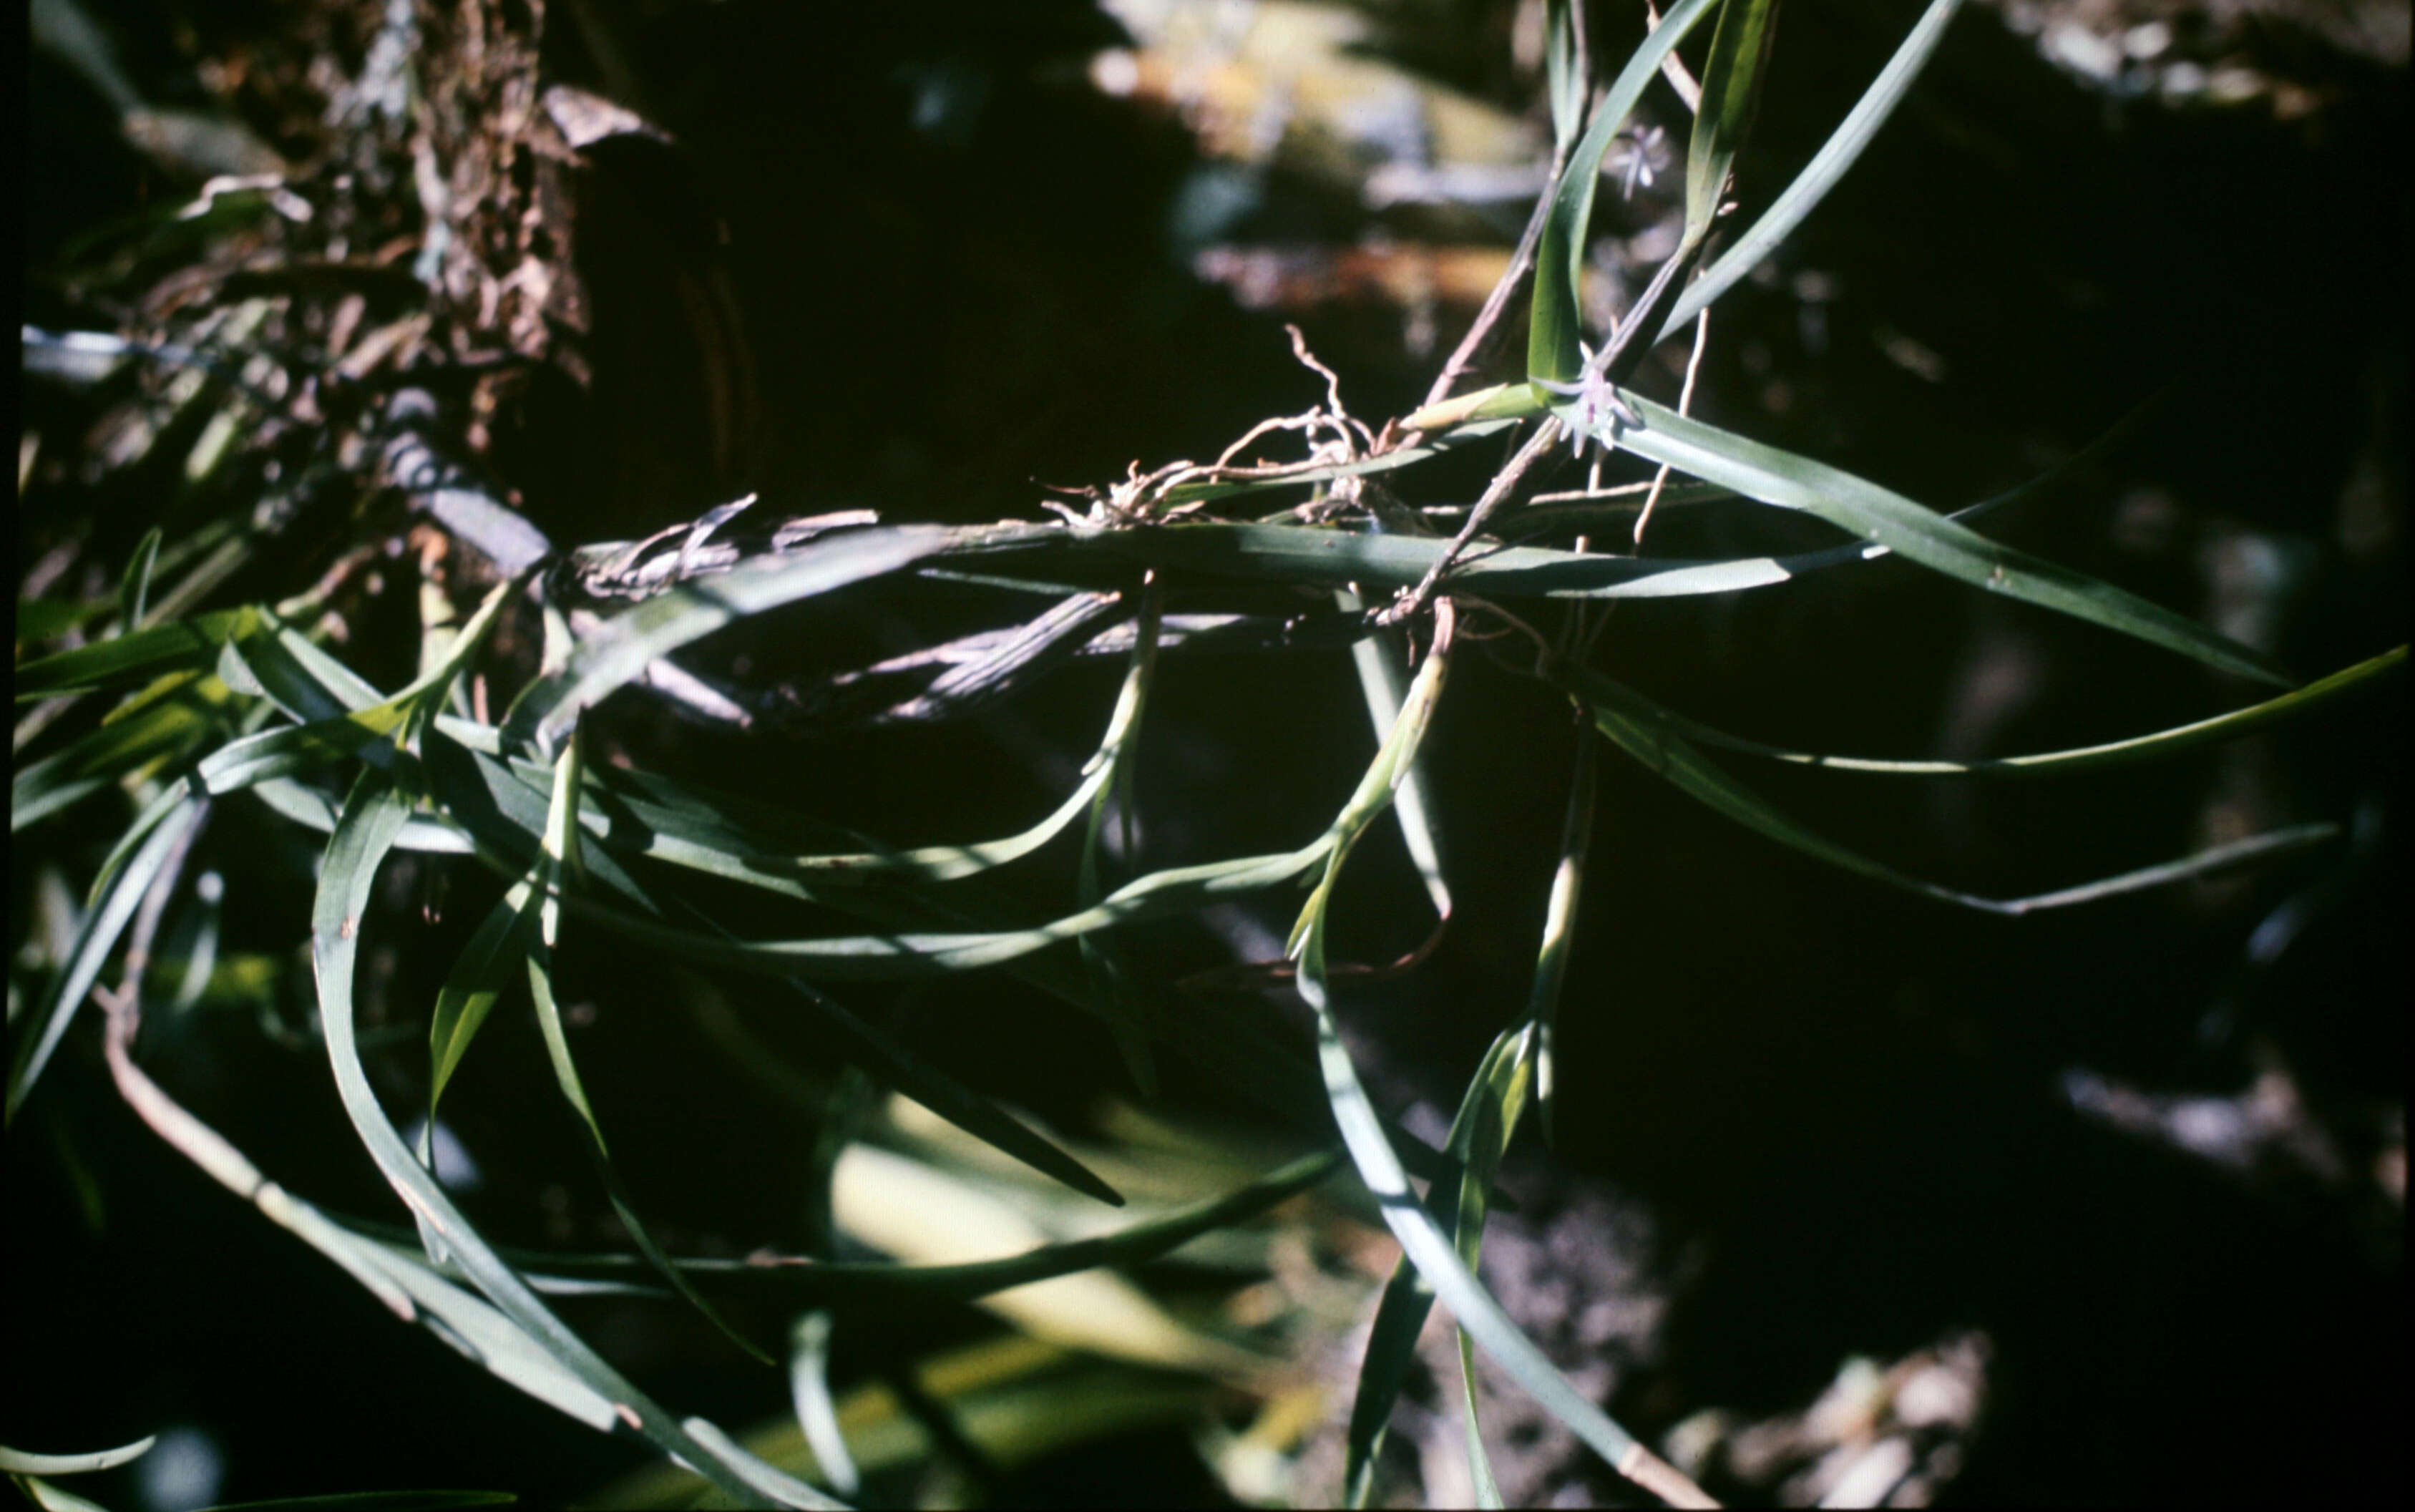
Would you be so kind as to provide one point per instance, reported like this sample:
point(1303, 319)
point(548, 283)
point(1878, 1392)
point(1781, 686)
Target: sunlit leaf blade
point(1563, 84)
point(131, 660)
point(1556, 327)
point(1430, 1249)
point(1887, 518)
point(817, 1411)
point(372, 816)
point(93, 761)
point(1382, 681)
point(1732, 80)
point(26, 1462)
point(1673, 758)
point(1828, 165)
point(104, 919)
point(765, 1479)
point(2166, 742)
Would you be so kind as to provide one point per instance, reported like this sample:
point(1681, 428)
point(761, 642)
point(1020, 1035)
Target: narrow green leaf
point(1673, 758)
point(2161, 743)
point(372, 816)
point(427, 833)
point(914, 954)
point(1391, 1344)
point(134, 589)
point(1485, 1114)
point(799, 1282)
point(131, 660)
point(290, 750)
point(472, 986)
point(1564, 82)
point(162, 732)
point(1556, 328)
point(47, 619)
point(1383, 682)
point(950, 1098)
point(1732, 80)
point(1889, 519)
point(104, 919)
point(1828, 165)
point(1487, 1121)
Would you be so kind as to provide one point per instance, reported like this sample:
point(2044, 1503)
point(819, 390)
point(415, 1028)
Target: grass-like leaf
point(372, 816)
point(97, 934)
point(134, 589)
point(164, 730)
point(1563, 82)
point(1556, 328)
point(1480, 1135)
point(817, 1411)
point(1829, 164)
point(2166, 742)
point(134, 659)
point(803, 1283)
point(1732, 80)
point(476, 980)
point(1383, 682)
point(1886, 518)
point(24, 1462)
point(1673, 758)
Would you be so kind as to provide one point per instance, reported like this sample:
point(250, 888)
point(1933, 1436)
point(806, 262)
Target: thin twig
point(1673, 68)
point(1684, 402)
point(1520, 262)
point(1546, 436)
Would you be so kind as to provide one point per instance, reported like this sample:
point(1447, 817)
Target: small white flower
point(1640, 158)
point(1598, 403)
